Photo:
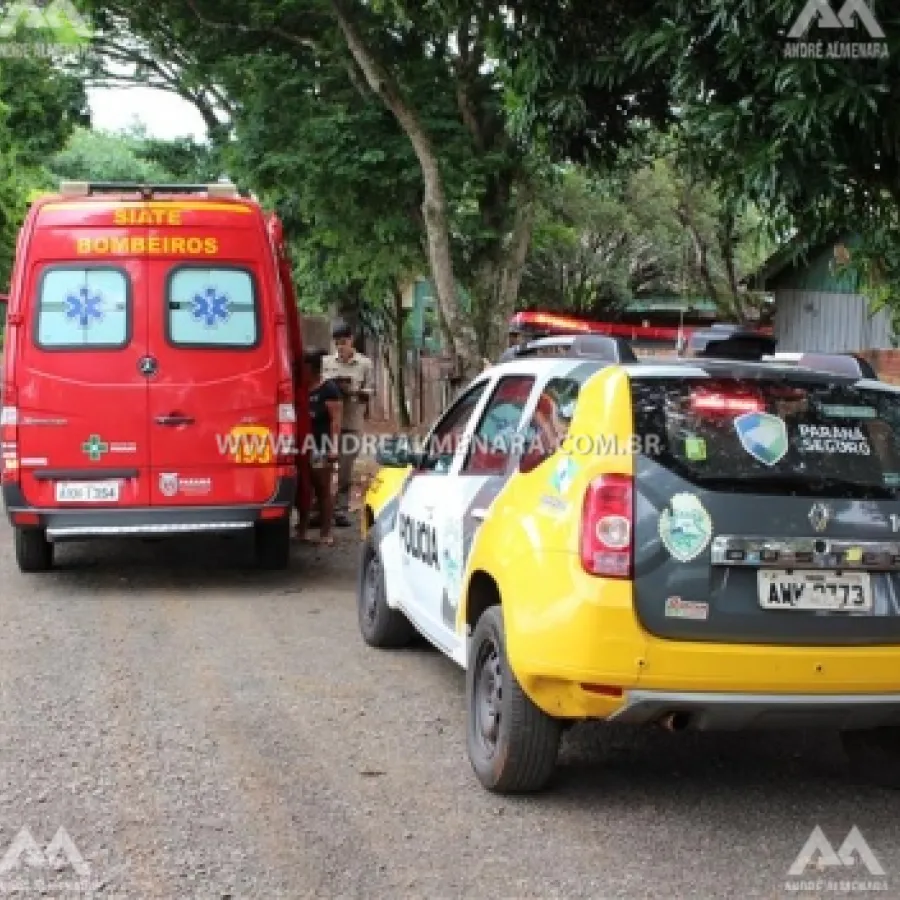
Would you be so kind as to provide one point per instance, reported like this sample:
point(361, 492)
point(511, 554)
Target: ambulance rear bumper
point(80, 524)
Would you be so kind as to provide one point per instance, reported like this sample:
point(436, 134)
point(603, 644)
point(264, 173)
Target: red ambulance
point(150, 383)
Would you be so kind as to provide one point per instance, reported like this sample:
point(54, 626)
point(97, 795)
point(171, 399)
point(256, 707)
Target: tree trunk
point(514, 263)
point(434, 205)
point(497, 281)
point(400, 347)
point(728, 249)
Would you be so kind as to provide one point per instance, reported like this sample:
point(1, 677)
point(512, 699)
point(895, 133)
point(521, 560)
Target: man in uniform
point(353, 374)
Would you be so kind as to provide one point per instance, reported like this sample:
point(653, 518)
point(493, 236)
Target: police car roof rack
point(221, 189)
point(587, 346)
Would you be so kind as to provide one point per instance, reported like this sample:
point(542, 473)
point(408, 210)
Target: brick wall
point(885, 362)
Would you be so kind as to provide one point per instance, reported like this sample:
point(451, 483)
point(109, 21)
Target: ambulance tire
point(273, 543)
point(380, 626)
point(513, 746)
point(34, 553)
point(876, 754)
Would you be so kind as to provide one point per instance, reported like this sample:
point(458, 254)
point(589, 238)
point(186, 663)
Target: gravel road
point(204, 731)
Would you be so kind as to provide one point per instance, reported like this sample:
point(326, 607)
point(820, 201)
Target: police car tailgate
point(769, 512)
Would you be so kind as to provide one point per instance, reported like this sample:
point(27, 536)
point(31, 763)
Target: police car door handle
point(479, 514)
point(174, 420)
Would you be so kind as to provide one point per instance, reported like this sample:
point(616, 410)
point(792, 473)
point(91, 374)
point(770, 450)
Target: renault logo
point(819, 516)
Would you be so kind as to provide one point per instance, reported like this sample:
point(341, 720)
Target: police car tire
point(527, 750)
point(389, 628)
point(876, 754)
point(272, 543)
point(34, 553)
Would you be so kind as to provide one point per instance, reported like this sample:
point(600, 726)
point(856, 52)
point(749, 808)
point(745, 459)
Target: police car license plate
point(805, 590)
point(87, 492)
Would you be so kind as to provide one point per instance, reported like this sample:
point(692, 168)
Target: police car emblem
point(819, 516)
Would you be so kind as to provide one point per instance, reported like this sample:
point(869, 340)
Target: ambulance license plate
point(87, 492)
point(815, 591)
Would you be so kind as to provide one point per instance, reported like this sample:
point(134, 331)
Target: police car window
point(446, 437)
point(80, 308)
point(495, 437)
point(549, 424)
point(212, 308)
point(805, 438)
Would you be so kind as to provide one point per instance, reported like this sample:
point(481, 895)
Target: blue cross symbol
point(210, 307)
point(84, 307)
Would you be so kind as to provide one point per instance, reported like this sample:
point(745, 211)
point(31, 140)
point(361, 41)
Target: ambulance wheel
point(513, 746)
point(380, 626)
point(34, 553)
point(273, 543)
point(876, 754)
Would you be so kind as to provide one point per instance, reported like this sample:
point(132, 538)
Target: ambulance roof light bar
point(223, 190)
point(220, 190)
point(74, 189)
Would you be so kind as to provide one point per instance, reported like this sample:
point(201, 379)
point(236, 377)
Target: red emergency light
point(560, 323)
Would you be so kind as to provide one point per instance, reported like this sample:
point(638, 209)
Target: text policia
point(261, 447)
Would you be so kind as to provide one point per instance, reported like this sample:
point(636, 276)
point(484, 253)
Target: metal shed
point(817, 309)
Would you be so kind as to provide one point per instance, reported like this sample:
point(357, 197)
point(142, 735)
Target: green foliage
point(100, 156)
point(603, 240)
point(43, 106)
point(814, 143)
point(875, 263)
point(313, 137)
point(39, 107)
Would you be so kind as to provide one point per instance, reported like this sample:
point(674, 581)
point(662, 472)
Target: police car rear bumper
point(730, 712)
point(75, 525)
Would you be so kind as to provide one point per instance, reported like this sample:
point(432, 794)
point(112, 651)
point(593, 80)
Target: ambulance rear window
point(79, 308)
point(212, 308)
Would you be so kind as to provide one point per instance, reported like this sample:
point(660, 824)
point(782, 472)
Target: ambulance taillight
point(9, 436)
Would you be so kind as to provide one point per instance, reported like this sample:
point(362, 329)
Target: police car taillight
point(607, 527)
point(9, 436)
point(287, 419)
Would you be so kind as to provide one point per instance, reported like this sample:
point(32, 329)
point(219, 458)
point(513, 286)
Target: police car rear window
point(765, 436)
point(82, 308)
point(212, 307)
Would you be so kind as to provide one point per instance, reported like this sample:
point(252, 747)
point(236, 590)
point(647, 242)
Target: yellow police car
point(706, 543)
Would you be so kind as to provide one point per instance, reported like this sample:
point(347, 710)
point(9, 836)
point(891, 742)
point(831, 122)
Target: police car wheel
point(513, 746)
point(876, 754)
point(272, 541)
point(380, 626)
point(34, 553)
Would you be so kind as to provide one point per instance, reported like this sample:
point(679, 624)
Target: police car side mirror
point(397, 453)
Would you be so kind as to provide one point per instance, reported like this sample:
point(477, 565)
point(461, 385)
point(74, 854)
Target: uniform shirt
point(359, 370)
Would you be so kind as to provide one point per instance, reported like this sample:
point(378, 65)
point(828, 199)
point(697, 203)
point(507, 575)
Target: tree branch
point(434, 206)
